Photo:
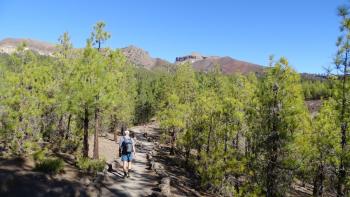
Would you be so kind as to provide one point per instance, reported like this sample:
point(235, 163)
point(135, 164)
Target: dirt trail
point(17, 177)
point(142, 180)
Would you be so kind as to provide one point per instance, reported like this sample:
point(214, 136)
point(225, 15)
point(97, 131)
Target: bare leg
point(129, 165)
point(125, 167)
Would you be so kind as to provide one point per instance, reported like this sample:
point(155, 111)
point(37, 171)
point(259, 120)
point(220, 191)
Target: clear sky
point(304, 31)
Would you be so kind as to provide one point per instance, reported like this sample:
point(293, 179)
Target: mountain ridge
point(141, 57)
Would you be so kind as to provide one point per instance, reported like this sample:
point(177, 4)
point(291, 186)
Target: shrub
point(91, 165)
point(39, 155)
point(50, 165)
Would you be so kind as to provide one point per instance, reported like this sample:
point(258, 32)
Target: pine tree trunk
point(21, 129)
point(173, 141)
point(225, 142)
point(60, 127)
point(97, 128)
point(122, 129)
point(341, 180)
point(60, 131)
point(68, 126)
point(198, 145)
point(209, 137)
point(187, 154)
point(113, 124)
point(271, 171)
point(273, 153)
point(236, 141)
point(318, 182)
point(199, 150)
point(116, 135)
point(86, 133)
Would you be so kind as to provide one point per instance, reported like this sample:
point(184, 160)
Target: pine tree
point(99, 35)
point(177, 105)
point(27, 97)
point(324, 147)
point(283, 116)
point(342, 63)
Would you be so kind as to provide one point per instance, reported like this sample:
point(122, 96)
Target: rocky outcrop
point(138, 56)
point(189, 58)
point(142, 58)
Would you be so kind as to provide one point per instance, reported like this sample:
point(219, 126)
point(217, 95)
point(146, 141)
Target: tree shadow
point(23, 183)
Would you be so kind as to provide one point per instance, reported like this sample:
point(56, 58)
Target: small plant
point(50, 165)
point(39, 155)
point(91, 165)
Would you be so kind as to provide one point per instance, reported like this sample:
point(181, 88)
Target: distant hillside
point(142, 58)
point(227, 64)
point(9, 45)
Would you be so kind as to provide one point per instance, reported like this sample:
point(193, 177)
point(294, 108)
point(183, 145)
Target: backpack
point(127, 146)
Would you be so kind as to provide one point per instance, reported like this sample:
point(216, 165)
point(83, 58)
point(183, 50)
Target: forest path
point(142, 180)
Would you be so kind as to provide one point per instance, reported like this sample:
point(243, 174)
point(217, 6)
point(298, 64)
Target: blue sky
point(304, 31)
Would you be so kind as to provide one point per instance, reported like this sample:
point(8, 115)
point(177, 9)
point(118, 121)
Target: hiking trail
point(142, 180)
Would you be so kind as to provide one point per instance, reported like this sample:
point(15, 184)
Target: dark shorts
point(127, 157)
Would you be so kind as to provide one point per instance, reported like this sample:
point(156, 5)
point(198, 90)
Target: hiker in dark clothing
point(127, 152)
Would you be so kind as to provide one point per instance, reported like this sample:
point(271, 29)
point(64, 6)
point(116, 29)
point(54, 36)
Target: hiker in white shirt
point(127, 152)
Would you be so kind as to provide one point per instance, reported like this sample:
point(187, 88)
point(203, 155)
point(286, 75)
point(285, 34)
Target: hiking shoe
point(128, 175)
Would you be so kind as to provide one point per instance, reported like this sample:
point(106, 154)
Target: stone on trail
point(157, 166)
point(165, 180)
point(149, 156)
point(165, 187)
point(85, 181)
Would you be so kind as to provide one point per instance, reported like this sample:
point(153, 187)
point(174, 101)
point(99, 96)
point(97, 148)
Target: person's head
point(127, 132)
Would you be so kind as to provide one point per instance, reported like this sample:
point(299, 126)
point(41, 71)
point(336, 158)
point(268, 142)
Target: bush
point(39, 155)
point(91, 165)
point(50, 165)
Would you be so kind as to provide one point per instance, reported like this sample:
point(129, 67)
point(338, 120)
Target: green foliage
point(50, 165)
point(98, 36)
point(341, 97)
point(26, 91)
point(151, 90)
point(91, 165)
point(225, 127)
point(284, 117)
point(176, 106)
point(44, 99)
point(321, 147)
point(317, 89)
point(40, 155)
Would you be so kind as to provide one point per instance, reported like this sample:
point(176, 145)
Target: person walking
point(127, 152)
